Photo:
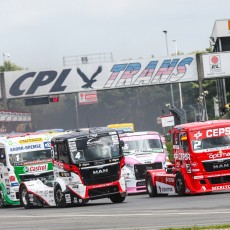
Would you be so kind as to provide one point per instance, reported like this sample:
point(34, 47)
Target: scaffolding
point(87, 59)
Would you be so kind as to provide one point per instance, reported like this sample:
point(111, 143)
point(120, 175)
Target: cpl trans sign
point(107, 76)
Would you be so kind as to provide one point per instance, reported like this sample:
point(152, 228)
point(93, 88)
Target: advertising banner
point(88, 77)
point(216, 65)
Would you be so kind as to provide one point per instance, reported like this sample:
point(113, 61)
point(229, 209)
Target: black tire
point(180, 185)
point(151, 190)
point(59, 197)
point(24, 198)
point(2, 200)
point(117, 198)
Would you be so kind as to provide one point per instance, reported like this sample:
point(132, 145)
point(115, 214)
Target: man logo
point(100, 171)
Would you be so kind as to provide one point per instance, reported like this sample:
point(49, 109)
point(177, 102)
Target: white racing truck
point(87, 166)
point(23, 157)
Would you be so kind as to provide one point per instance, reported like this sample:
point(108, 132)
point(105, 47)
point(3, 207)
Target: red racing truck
point(201, 161)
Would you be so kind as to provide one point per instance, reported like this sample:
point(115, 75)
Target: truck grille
point(217, 165)
point(101, 192)
point(140, 169)
point(101, 174)
point(219, 180)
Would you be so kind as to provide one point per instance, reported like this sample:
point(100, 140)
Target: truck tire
point(151, 190)
point(24, 198)
point(117, 198)
point(180, 185)
point(59, 197)
point(2, 200)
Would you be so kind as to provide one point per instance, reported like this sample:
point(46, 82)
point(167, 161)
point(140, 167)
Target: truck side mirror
point(122, 143)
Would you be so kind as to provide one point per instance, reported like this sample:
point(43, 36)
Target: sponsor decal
point(26, 169)
point(195, 170)
point(14, 184)
point(142, 137)
point(170, 180)
point(31, 140)
point(35, 168)
point(220, 154)
point(198, 177)
point(215, 63)
point(216, 132)
point(194, 164)
point(221, 187)
point(27, 147)
point(197, 135)
point(47, 145)
point(182, 156)
point(164, 188)
point(157, 71)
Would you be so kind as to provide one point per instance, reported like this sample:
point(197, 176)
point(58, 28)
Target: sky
point(38, 34)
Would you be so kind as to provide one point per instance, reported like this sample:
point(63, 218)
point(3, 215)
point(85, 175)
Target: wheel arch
point(61, 183)
point(152, 176)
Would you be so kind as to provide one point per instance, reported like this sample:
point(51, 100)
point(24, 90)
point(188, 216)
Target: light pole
point(5, 104)
point(202, 101)
point(167, 49)
point(176, 50)
point(166, 40)
point(179, 84)
point(4, 59)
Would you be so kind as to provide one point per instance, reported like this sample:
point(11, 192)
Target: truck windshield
point(32, 156)
point(96, 148)
point(141, 143)
point(210, 143)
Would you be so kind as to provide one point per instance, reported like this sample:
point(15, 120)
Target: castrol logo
point(35, 168)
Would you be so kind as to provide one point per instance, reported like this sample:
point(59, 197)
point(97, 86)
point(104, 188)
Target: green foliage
point(222, 226)
point(16, 104)
point(9, 66)
point(169, 146)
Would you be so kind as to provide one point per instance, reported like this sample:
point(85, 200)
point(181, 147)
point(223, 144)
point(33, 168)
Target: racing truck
point(23, 157)
point(201, 161)
point(87, 165)
point(142, 150)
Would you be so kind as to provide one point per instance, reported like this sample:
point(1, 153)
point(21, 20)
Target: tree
point(9, 66)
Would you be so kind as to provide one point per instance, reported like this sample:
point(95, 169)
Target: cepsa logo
point(35, 168)
point(218, 132)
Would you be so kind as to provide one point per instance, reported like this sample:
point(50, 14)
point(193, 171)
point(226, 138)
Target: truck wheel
point(180, 185)
point(24, 198)
point(2, 203)
point(117, 198)
point(151, 190)
point(59, 197)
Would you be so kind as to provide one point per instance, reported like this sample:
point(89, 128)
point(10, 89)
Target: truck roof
point(138, 133)
point(83, 132)
point(23, 138)
point(202, 125)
